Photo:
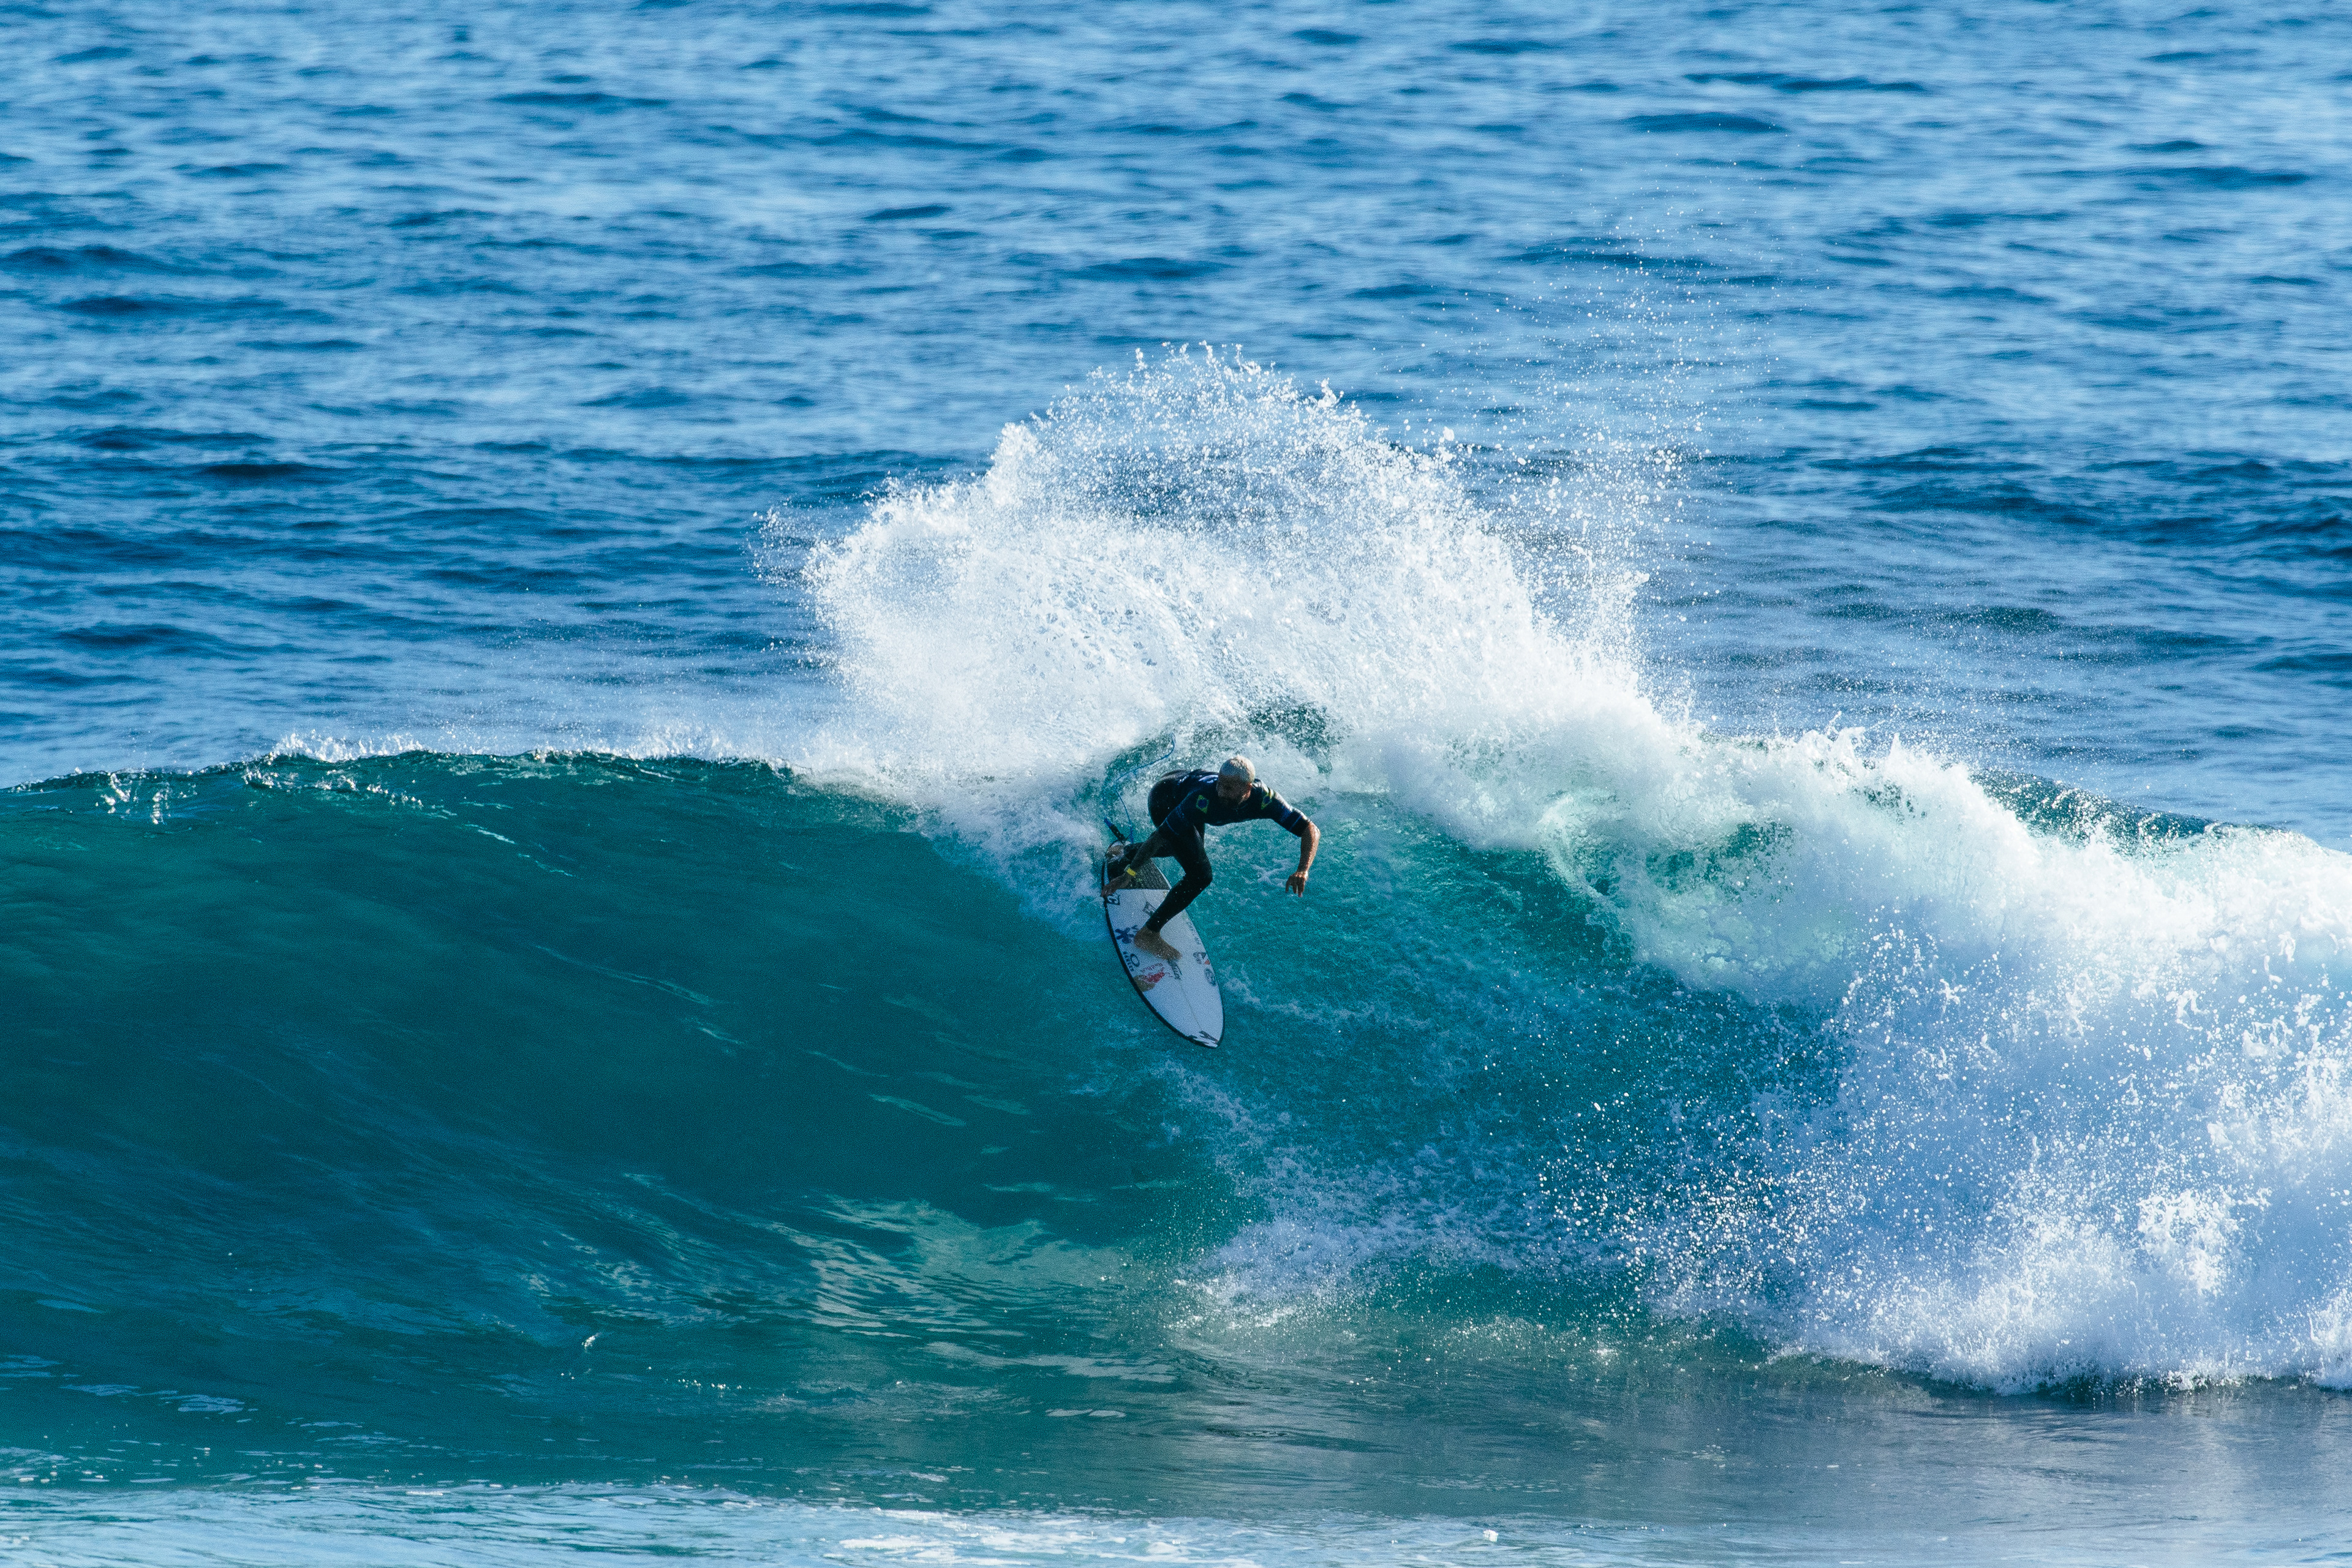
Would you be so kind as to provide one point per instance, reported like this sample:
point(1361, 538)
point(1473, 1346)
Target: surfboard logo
point(1181, 991)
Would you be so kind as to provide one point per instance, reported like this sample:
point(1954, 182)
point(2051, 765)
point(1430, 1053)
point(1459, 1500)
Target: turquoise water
point(496, 1132)
point(579, 583)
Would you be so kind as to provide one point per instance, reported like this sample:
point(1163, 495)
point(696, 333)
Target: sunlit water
point(580, 580)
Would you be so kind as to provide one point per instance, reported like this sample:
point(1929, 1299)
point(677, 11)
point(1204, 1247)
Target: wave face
point(424, 1110)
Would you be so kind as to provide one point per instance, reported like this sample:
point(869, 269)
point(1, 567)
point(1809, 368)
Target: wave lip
point(1198, 554)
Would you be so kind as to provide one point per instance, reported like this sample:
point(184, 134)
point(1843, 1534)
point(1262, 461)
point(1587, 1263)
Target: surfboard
point(1182, 993)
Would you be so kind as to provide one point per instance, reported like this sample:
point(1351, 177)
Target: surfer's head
point(1234, 780)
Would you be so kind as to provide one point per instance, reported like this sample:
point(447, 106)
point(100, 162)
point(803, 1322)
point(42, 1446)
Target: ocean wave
point(1834, 1037)
point(2086, 1118)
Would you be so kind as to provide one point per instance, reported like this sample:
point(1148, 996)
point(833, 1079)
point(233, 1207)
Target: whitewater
point(582, 584)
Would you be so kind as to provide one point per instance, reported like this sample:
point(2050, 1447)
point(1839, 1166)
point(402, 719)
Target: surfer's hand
point(1298, 883)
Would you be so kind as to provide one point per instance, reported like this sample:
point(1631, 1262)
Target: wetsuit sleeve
point(1281, 811)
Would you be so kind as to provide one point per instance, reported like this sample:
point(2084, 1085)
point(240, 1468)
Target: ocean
point(579, 581)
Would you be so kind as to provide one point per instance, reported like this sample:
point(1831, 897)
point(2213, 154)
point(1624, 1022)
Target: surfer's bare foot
point(1152, 943)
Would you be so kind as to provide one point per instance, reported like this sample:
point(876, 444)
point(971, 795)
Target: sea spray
point(2092, 1120)
point(1197, 555)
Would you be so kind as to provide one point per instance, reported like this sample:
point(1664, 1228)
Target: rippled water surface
point(578, 580)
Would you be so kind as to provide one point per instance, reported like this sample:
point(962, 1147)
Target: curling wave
point(2088, 1114)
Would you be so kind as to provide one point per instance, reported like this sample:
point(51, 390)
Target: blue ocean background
point(578, 579)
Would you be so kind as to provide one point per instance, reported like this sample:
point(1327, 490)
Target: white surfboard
point(1182, 991)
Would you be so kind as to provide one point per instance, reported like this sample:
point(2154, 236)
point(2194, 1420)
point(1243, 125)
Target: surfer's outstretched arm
point(1310, 838)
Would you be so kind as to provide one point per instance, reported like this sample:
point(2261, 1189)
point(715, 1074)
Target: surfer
point(1186, 803)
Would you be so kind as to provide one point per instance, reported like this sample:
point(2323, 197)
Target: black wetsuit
point(1184, 804)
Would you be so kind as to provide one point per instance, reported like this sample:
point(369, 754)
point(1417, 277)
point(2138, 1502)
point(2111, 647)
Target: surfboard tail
point(1181, 991)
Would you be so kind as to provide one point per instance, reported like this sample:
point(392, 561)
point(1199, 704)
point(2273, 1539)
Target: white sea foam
point(1196, 555)
point(2093, 1118)
point(487, 1526)
point(2093, 1115)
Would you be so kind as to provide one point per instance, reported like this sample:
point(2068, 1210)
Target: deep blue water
point(578, 579)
